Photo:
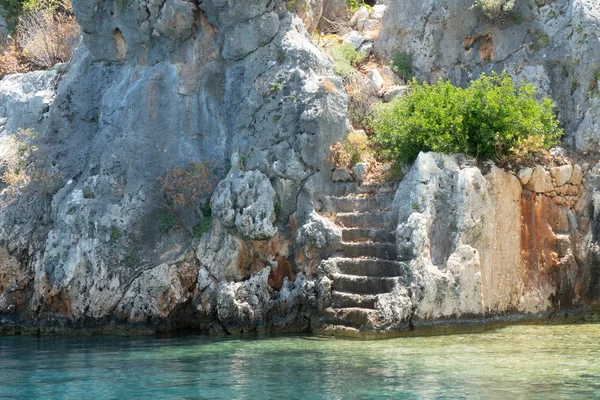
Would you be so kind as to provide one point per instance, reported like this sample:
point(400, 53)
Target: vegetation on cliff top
point(495, 10)
point(43, 33)
point(491, 119)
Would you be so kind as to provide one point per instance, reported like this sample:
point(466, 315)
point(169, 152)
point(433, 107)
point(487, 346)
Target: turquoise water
point(537, 362)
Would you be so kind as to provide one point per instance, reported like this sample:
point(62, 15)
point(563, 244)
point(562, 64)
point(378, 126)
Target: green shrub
point(346, 58)
point(168, 220)
point(115, 234)
point(354, 5)
point(491, 119)
point(202, 227)
point(402, 65)
point(495, 10)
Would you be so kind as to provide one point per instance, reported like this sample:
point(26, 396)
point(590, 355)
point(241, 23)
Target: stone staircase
point(366, 263)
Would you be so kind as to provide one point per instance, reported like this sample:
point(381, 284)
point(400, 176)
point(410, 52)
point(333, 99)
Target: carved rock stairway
point(366, 264)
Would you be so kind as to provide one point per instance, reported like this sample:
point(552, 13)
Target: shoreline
point(11, 326)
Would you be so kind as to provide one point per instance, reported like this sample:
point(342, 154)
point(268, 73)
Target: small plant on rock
point(346, 59)
point(360, 101)
point(47, 38)
point(350, 152)
point(495, 10)
point(182, 189)
point(402, 65)
point(115, 234)
point(26, 172)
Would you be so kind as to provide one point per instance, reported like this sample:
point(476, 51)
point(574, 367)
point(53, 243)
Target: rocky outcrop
point(553, 44)
point(484, 244)
point(157, 86)
point(472, 244)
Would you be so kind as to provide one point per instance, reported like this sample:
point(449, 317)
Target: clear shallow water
point(537, 362)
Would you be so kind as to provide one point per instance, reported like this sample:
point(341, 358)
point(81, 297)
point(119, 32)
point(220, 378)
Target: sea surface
point(521, 362)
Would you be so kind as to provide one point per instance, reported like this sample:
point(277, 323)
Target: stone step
point(371, 267)
point(362, 284)
point(338, 330)
point(340, 189)
point(365, 220)
point(367, 234)
point(353, 317)
point(349, 300)
point(385, 251)
point(358, 203)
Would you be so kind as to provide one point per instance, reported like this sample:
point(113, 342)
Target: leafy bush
point(495, 10)
point(491, 119)
point(47, 38)
point(402, 65)
point(52, 6)
point(346, 58)
point(12, 10)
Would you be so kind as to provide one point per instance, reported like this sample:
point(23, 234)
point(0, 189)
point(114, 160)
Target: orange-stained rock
point(278, 274)
point(15, 284)
point(257, 254)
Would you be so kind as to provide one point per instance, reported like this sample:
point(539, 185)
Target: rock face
point(157, 86)
point(484, 244)
point(468, 246)
point(553, 44)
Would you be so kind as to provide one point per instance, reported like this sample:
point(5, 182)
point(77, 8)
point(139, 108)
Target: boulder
point(176, 19)
point(541, 181)
point(394, 92)
point(577, 176)
point(360, 170)
point(367, 25)
point(561, 174)
point(378, 11)
point(355, 39)
point(375, 80)
point(390, 75)
point(366, 48)
point(243, 306)
point(244, 38)
point(245, 201)
point(525, 175)
point(341, 175)
point(360, 15)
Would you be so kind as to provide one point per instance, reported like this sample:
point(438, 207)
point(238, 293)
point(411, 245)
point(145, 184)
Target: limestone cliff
point(90, 243)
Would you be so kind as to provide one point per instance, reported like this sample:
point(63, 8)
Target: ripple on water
point(545, 362)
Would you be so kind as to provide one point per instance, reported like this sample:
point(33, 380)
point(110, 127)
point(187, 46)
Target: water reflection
point(517, 362)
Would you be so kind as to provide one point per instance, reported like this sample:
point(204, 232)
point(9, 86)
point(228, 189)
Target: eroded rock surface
point(156, 86)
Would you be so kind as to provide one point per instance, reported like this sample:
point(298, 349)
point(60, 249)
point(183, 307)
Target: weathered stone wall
point(496, 242)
